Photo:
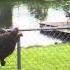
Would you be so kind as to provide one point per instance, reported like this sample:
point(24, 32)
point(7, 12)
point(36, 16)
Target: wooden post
point(18, 55)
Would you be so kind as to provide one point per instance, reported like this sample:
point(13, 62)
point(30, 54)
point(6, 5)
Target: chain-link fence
point(64, 36)
point(41, 57)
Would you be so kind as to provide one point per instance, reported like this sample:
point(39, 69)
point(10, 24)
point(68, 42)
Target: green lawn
point(53, 57)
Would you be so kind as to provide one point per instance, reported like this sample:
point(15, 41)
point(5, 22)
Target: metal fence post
point(18, 55)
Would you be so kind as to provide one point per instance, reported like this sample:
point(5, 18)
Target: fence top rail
point(47, 29)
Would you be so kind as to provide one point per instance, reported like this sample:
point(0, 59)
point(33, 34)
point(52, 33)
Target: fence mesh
point(39, 57)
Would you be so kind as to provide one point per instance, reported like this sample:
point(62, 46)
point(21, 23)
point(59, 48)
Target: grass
point(53, 57)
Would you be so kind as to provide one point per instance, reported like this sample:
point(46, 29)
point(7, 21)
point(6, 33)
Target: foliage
point(41, 5)
point(37, 7)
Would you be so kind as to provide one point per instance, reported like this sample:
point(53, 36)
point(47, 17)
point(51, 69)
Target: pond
point(23, 20)
point(26, 16)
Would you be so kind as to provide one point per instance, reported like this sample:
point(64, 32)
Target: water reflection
point(22, 19)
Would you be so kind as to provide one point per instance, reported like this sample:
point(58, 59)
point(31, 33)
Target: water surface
point(24, 20)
